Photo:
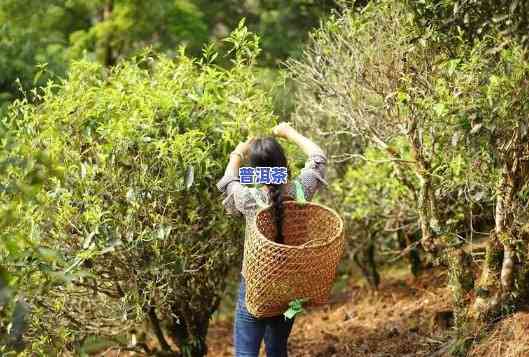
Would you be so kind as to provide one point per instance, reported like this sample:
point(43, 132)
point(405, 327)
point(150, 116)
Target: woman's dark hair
point(267, 152)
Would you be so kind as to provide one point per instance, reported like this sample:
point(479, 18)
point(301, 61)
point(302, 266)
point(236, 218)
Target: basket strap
point(300, 195)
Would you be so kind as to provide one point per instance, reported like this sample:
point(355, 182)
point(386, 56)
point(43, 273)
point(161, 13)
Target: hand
point(244, 147)
point(283, 130)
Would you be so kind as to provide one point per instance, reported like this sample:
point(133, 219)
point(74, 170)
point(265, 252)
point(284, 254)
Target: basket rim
point(300, 247)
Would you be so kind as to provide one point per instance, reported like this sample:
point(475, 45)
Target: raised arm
point(236, 158)
point(237, 199)
point(312, 176)
point(310, 148)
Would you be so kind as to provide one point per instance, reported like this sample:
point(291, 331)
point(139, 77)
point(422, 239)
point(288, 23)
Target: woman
point(267, 152)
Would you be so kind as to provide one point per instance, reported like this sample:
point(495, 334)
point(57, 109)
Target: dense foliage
point(39, 38)
point(136, 219)
point(21, 178)
point(112, 232)
point(448, 115)
point(473, 20)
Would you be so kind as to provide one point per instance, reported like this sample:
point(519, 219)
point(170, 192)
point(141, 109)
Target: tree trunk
point(504, 277)
point(422, 206)
point(190, 332)
point(461, 282)
point(191, 340)
point(438, 244)
point(488, 288)
point(413, 254)
point(158, 330)
point(365, 259)
point(103, 47)
point(426, 203)
point(503, 222)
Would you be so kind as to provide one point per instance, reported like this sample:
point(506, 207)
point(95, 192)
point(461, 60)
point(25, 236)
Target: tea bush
point(137, 220)
point(20, 181)
point(448, 114)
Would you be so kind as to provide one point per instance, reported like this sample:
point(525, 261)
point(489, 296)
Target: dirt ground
point(404, 317)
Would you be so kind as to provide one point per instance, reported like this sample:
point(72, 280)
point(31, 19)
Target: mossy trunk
point(443, 249)
point(461, 282)
point(504, 220)
point(440, 245)
point(488, 286)
point(504, 277)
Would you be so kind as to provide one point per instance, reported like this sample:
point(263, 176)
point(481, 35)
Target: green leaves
point(440, 109)
point(138, 207)
point(244, 44)
point(295, 307)
point(472, 21)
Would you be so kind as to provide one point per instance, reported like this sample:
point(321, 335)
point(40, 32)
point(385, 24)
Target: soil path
point(405, 317)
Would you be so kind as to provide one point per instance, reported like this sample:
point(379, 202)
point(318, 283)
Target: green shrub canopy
point(136, 222)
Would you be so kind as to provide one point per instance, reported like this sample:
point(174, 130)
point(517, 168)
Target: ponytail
point(277, 206)
point(267, 152)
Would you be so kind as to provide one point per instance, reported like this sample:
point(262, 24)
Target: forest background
point(117, 118)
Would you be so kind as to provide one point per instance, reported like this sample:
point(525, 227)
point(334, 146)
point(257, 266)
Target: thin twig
point(405, 251)
point(346, 157)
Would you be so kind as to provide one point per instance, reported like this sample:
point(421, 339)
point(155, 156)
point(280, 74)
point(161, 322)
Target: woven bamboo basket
point(304, 267)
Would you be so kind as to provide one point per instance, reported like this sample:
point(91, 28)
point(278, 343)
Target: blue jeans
point(249, 331)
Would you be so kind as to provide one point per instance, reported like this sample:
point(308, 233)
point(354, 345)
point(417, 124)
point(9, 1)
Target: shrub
point(137, 219)
point(21, 179)
point(450, 116)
